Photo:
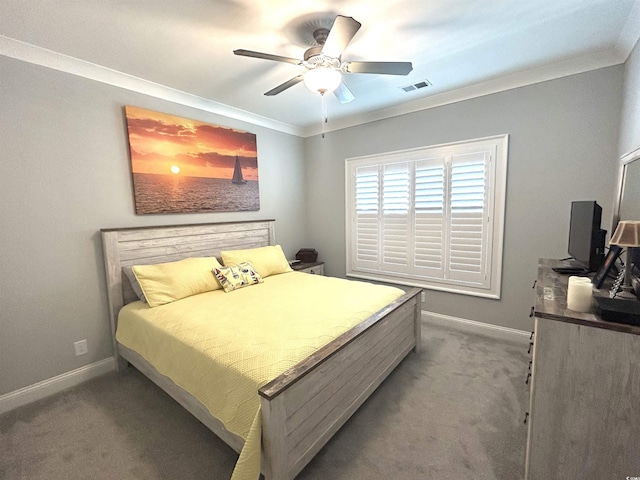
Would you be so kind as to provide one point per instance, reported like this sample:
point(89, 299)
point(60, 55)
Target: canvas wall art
point(185, 166)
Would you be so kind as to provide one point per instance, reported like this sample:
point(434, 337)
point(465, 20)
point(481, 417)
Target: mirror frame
point(625, 161)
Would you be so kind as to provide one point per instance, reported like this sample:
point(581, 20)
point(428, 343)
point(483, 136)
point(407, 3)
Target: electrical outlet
point(81, 347)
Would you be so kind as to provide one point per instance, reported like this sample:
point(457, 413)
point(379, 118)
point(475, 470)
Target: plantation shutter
point(467, 226)
point(366, 253)
point(395, 217)
point(430, 218)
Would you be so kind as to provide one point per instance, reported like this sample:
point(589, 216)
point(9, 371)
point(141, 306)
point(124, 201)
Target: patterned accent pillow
point(237, 276)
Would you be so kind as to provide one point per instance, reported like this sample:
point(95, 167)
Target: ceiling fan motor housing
point(312, 53)
point(313, 58)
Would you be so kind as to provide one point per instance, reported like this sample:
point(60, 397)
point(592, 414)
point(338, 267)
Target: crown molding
point(26, 52)
point(584, 63)
point(29, 53)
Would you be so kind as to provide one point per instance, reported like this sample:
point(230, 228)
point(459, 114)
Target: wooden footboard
point(305, 406)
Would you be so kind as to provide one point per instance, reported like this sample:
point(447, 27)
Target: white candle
point(579, 294)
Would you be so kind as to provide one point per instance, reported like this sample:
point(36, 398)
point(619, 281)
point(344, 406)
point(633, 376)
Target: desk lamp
point(627, 235)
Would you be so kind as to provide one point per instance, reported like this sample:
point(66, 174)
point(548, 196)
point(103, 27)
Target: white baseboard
point(480, 328)
point(48, 387)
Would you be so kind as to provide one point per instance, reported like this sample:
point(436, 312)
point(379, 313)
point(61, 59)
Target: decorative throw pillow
point(135, 285)
point(238, 276)
point(166, 282)
point(266, 260)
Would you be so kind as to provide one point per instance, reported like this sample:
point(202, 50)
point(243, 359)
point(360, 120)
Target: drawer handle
point(526, 417)
point(535, 282)
point(531, 336)
point(533, 309)
point(526, 382)
point(530, 345)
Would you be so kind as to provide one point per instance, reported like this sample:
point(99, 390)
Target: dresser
point(584, 412)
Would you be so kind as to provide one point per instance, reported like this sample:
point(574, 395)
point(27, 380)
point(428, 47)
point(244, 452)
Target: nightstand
point(315, 268)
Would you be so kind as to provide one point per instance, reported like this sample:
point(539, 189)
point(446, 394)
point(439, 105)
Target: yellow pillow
point(266, 260)
point(166, 282)
point(237, 276)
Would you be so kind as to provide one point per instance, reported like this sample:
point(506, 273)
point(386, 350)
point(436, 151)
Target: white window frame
point(496, 149)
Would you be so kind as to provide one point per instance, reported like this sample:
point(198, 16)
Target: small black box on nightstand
point(307, 255)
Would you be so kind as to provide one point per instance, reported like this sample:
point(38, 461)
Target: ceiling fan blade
point(343, 94)
point(284, 86)
point(342, 31)
point(267, 56)
point(387, 68)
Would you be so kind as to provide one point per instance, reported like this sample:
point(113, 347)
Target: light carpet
point(453, 411)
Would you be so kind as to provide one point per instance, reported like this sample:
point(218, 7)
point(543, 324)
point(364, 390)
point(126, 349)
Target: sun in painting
point(175, 169)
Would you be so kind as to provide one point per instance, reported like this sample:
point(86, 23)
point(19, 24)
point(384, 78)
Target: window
point(431, 217)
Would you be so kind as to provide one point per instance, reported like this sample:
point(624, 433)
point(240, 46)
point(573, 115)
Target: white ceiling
point(464, 48)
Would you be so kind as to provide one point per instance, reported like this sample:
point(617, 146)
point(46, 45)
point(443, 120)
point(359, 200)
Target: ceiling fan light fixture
point(322, 80)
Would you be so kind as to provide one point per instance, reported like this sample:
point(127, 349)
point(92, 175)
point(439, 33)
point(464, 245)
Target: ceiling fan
point(324, 64)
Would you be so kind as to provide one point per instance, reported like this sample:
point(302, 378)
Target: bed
point(339, 376)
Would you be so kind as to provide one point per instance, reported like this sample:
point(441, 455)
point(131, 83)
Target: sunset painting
point(185, 166)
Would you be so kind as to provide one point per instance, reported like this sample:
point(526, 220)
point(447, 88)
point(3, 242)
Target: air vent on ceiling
point(416, 86)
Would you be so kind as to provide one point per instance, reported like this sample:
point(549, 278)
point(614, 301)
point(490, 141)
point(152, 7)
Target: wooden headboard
point(124, 247)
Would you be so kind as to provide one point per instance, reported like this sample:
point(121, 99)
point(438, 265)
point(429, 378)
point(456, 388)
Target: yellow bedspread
point(222, 347)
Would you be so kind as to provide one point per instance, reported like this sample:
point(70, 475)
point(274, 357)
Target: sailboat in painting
point(237, 174)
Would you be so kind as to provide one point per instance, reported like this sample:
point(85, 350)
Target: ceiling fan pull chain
point(324, 112)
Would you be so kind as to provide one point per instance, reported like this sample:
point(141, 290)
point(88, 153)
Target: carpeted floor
point(453, 411)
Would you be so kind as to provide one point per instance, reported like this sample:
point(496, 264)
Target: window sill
point(457, 289)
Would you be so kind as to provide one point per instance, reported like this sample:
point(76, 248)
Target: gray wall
point(630, 125)
point(562, 144)
point(64, 174)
